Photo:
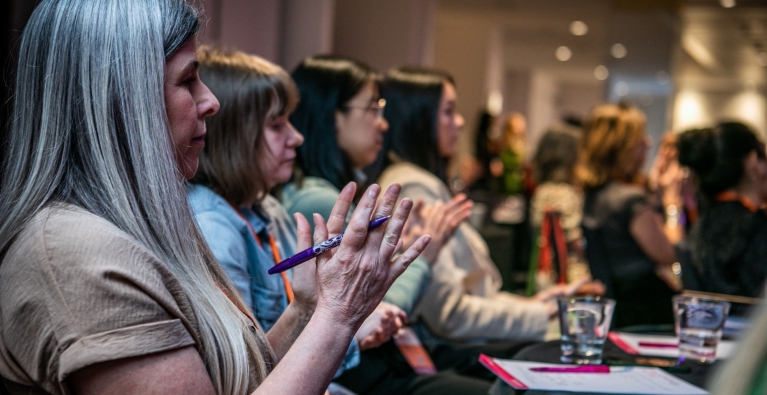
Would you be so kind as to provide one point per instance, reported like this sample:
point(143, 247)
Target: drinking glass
point(699, 322)
point(585, 322)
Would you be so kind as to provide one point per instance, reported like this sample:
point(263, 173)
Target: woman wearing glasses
point(341, 117)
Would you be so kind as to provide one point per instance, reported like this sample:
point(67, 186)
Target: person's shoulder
point(206, 204)
point(65, 234)
point(313, 192)
point(620, 193)
point(274, 208)
point(406, 173)
point(203, 199)
point(556, 189)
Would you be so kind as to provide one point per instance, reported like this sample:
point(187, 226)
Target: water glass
point(699, 322)
point(585, 322)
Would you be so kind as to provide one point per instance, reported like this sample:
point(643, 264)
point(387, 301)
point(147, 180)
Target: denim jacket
point(246, 261)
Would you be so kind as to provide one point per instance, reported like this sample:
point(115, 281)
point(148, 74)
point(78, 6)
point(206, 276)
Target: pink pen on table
point(658, 345)
point(573, 369)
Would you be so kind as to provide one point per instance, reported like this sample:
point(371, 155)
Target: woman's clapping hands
point(350, 281)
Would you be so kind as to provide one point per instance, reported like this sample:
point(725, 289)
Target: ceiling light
point(699, 52)
point(727, 3)
point(621, 88)
point(618, 51)
point(601, 73)
point(563, 54)
point(579, 28)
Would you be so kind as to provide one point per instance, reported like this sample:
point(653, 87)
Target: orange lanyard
point(735, 197)
point(275, 253)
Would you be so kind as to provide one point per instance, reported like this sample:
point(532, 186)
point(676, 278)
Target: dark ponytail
point(716, 155)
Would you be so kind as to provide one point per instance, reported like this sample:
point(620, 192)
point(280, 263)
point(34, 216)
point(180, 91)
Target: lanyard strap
point(736, 197)
point(275, 253)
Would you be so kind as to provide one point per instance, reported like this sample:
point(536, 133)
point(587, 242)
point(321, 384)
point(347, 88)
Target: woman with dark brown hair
point(729, 243)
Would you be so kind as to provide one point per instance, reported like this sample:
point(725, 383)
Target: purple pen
point(573, 369)
point(318, 249)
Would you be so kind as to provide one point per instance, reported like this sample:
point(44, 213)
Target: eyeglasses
point(376, 108)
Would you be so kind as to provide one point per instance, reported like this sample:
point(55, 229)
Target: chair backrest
point(690, 278)
point(599, 264)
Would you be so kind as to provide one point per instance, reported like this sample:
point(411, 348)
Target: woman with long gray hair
point(106, 285)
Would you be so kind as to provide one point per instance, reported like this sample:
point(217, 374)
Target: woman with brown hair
point(628, 244)
point(250, 149)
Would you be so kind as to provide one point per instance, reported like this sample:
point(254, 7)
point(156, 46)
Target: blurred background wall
point(684, 62)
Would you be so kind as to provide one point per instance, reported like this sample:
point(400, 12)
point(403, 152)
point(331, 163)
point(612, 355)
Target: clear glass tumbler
point(699, 322)
point(585, 322)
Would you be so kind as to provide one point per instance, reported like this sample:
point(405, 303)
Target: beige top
point(76, 291)
point(464, 301)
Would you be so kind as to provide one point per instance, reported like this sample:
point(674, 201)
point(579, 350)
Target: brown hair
point(609, 135)
point(251, 91)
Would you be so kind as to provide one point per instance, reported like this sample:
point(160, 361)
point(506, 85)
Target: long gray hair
point(89, 128)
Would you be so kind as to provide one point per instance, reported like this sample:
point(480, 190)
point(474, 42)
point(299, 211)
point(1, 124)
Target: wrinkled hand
point(670, 183)
point(595, 287)
point(439, 220)
point(352, 280)
point(549, 295)
point(385, 321)
point(304, 282)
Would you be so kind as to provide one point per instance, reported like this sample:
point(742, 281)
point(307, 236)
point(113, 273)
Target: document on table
point(660, 346)
point(620, 380)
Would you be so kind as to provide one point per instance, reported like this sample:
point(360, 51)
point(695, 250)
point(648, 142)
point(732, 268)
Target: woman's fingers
point(356, 232)
point(303, 232)
point(320, 235)
point(304, 283)
point(340, 210)
point(406, 258)
point(459, 214)
point(394, 229)
point(415, 213)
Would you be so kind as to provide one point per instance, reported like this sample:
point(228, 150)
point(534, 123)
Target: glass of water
point(699, 322)
point(585, 322)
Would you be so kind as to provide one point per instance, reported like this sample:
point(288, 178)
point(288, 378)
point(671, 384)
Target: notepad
point(660, 346)
point(626, 380)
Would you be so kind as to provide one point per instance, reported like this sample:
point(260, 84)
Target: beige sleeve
point(75, 291)
point(454, 313)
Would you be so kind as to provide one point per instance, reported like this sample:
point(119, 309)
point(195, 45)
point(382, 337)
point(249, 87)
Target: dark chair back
point(599, 263)
point(690, 277)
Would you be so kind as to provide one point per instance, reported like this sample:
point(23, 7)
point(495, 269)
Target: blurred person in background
point(509, 142)
point(629, 246)
point(666, 173)
point(728, 245)
point(557, 198)
point(341, 116)
point(477, 173)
